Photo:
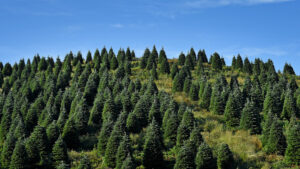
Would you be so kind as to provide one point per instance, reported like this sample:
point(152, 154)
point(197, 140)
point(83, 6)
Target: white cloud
point(118, 25)
point(218, 3)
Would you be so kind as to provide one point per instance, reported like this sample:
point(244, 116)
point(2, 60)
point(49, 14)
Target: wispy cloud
point(117, 25)
point(219, 3)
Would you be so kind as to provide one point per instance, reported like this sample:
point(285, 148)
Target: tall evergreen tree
point(59, 152)
point(123, 150)
point(292, 153)
point(85, 163)
point(289, 106)
point(164, 67)
point(19, 159)
point(206, 97)
point(276, 140)
point(181, 59)
point(204, 158)
point(225, 157)
point(185, 127)
point(7, 150)
point(128, 163)
point(152, 152)
point(103, 137)
point(114, 141)
point(251, 118)
point(186, 156)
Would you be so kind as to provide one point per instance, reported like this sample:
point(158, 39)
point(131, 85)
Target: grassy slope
point(247, 148)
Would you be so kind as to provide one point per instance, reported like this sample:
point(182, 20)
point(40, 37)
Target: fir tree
point(186, 156)
point(250, 118)
point(292, 153)
point(196, 137)
point(194, 90)
point(181, 59)
point(289, 106)
point(225, 157)
point(216, 62)
point(128, 163)
point(233, 109)
point(114, 141)
point(96, 112)
point(288, 69)
point(103, 137)
point(174, 70)
point(239, 62)
point(152, 152)
point(170, 130)
point(204, 158)
point(206, 97)
point(19, 159)
point(52, 133)
point(84, 163)
point(247, 66)
point(276, 140)
point(59, 152)
point(7, 150)
point(153, 73)
point(185, 127)
point(162, 56)
point(123, 150)
point(70, 134)
point(164, 67)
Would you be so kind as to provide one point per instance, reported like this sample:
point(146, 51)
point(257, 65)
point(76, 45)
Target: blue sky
point(253, 28)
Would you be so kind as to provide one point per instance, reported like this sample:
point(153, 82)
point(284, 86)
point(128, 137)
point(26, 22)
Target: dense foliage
point(117, 112)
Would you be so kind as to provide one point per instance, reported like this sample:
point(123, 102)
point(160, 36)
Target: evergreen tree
point(19, 159)
point(84, 163)
point(292, 153)
point(164, 67)
point(250, 118)
point(153, 73)
point(194, 90)
point(155, 112)
point(185, 127)
point(196, 137)
point(7, 150)
point(216, 62)
point(247, 66)
point(276, 139)
point(204, 158)
point(233, 63)
point(225, 157)
point(233, 109)
point(114, 141)
point(96, 112)
point(206, 97)
point(266, 128)
point(144, 59)
point(152, 152)
point(288, 69)
point(128, 163)
point(181, 59)
point(162, 56)
point(170, 130)
point(239, 62)
point(103, 137)
point(52, 133)
point(174, 70)
point(123, 150)
point(289, 106)
point(186, 156)
point(59, 152)
point(187, 85)
point(70, 134)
